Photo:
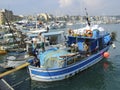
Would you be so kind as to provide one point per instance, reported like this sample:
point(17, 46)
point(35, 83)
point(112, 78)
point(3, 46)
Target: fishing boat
point(16, 54)
point(79, 52)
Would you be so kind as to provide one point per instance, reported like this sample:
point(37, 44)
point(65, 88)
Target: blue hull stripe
point(66, 70)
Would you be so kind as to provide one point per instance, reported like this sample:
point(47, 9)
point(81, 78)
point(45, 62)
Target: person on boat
point(47, 32)
point(42, 39)
point(47, 29)
point(86, 48)
point(74, 47)
point(36, 61)
point(83, 48)
point(34, 46)
point(70, 32)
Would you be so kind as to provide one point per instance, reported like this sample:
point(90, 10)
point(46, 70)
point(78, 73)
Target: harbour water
point(102, 76)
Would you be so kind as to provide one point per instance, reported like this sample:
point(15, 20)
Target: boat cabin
point(52, 39)
point(96, 41)
point(62, 57)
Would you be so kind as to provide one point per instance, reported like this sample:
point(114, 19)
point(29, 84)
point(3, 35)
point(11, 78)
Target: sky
point(62, 7)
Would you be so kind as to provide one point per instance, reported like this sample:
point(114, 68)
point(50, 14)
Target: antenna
point(88, 22)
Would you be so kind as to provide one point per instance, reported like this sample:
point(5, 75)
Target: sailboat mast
point(10, 27)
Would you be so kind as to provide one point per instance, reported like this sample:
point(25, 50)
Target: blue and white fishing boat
point(82, 50)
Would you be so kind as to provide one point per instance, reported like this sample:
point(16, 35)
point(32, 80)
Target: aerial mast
point(87, 19)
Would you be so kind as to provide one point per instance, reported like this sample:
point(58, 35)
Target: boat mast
point(10, 27)
point(87, 19)
point(14, 38)
point(36, 23)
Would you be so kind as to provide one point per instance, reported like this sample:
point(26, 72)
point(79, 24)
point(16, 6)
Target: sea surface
point(104, 75)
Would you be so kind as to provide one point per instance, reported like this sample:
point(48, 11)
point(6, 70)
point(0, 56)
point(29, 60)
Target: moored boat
point(15, 59)
point(82, 50)
point(2, 50)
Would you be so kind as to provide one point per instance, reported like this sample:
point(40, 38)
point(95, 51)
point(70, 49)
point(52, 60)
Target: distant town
point(44, 17)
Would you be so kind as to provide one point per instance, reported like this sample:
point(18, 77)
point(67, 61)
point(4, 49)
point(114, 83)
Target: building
point(7, 14)
point(45, 17)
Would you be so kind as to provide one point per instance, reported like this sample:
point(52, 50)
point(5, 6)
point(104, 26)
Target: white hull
point(14, 63)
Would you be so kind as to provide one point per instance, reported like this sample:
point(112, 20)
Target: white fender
point(113, 45)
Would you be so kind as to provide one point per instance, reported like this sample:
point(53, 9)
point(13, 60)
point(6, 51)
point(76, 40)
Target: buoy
point(89, 33)
point(113, 45)
point(106, 54)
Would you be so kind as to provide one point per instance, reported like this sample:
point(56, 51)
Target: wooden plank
point(13, 70)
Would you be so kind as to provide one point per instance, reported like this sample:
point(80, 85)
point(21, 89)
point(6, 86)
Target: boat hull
point(14, 63)
point(17, 62)
point(3, 52)
point(49, 75)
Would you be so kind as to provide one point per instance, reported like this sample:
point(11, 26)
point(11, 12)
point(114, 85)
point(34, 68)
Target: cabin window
point(53, 40)
point(46, 44)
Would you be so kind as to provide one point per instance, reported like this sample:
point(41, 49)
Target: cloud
point(85, 3)
point(93, 3)
point(65, 3)
point(77, 6)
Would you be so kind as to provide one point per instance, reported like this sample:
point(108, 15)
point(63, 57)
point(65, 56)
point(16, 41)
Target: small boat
point(57, 25)
point(58, 63)
point(2, 50)
point(69, 23)
point(15, 59)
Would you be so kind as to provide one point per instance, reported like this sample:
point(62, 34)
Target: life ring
point(89, 33)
